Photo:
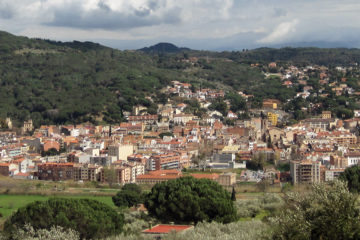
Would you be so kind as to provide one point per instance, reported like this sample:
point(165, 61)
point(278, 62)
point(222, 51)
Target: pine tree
point(233, 194)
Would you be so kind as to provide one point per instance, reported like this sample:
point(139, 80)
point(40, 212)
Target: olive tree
point(328, 212)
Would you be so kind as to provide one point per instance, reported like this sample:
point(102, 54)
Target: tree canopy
point(188, 200)
point(90, 218)
point(129, 196)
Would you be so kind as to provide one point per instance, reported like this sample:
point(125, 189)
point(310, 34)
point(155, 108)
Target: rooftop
point(165, 229)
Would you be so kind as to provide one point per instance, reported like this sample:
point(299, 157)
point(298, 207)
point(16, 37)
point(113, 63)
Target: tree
point(233, 194)
point(257, 162)
point(50, 152)
point(110, 175)
point(161, 135)
point(130, 195)
point(352, 177)
point(325, 213)
point(188, 200)
point(219, 105)
point(90, 218)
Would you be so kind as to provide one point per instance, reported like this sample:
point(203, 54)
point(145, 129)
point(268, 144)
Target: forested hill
point(297, 56)
point(162, 48)
point(55, 82)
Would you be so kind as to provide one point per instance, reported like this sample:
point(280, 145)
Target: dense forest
point(56, 83)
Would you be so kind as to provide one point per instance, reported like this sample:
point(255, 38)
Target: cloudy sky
point(198, 24)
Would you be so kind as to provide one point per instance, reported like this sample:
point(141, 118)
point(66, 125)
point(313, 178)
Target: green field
point(10, 203)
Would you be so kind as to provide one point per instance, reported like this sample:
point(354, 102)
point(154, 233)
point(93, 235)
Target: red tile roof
point(212, 176)
point(163, 229)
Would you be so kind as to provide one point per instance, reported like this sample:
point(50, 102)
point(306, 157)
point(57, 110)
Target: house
point(6, 169)
point(272, 65)
point(326, 114)
point(26, 165)
point(271, 103)
point(231, 115)
point(353, 158)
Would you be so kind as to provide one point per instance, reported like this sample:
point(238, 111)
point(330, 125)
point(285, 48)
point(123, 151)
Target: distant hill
point(163, 48)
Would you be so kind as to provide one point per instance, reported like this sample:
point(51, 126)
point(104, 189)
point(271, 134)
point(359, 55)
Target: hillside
point(55, 83)
point(73, 82)
point(297, 56)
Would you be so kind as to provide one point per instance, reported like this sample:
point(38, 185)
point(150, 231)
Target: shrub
point(54, 233)
point(92, 219)
point(250, 208)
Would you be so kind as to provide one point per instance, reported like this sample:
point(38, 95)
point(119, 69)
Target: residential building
point(305, 171)
point(146, 119)
point(121, 152)
point(56, 171)
point(182, 118)
point(164, 161)
point(332, 174)
point(273, 118)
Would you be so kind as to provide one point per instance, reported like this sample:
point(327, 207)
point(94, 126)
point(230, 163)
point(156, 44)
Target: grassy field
point(10, 203)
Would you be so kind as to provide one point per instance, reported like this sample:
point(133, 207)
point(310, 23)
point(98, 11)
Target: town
point(196, 129)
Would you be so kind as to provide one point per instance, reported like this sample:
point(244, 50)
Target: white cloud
point(236, 22)
point(281, 32)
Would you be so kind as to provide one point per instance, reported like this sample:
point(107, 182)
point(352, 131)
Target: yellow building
point(273, 118)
